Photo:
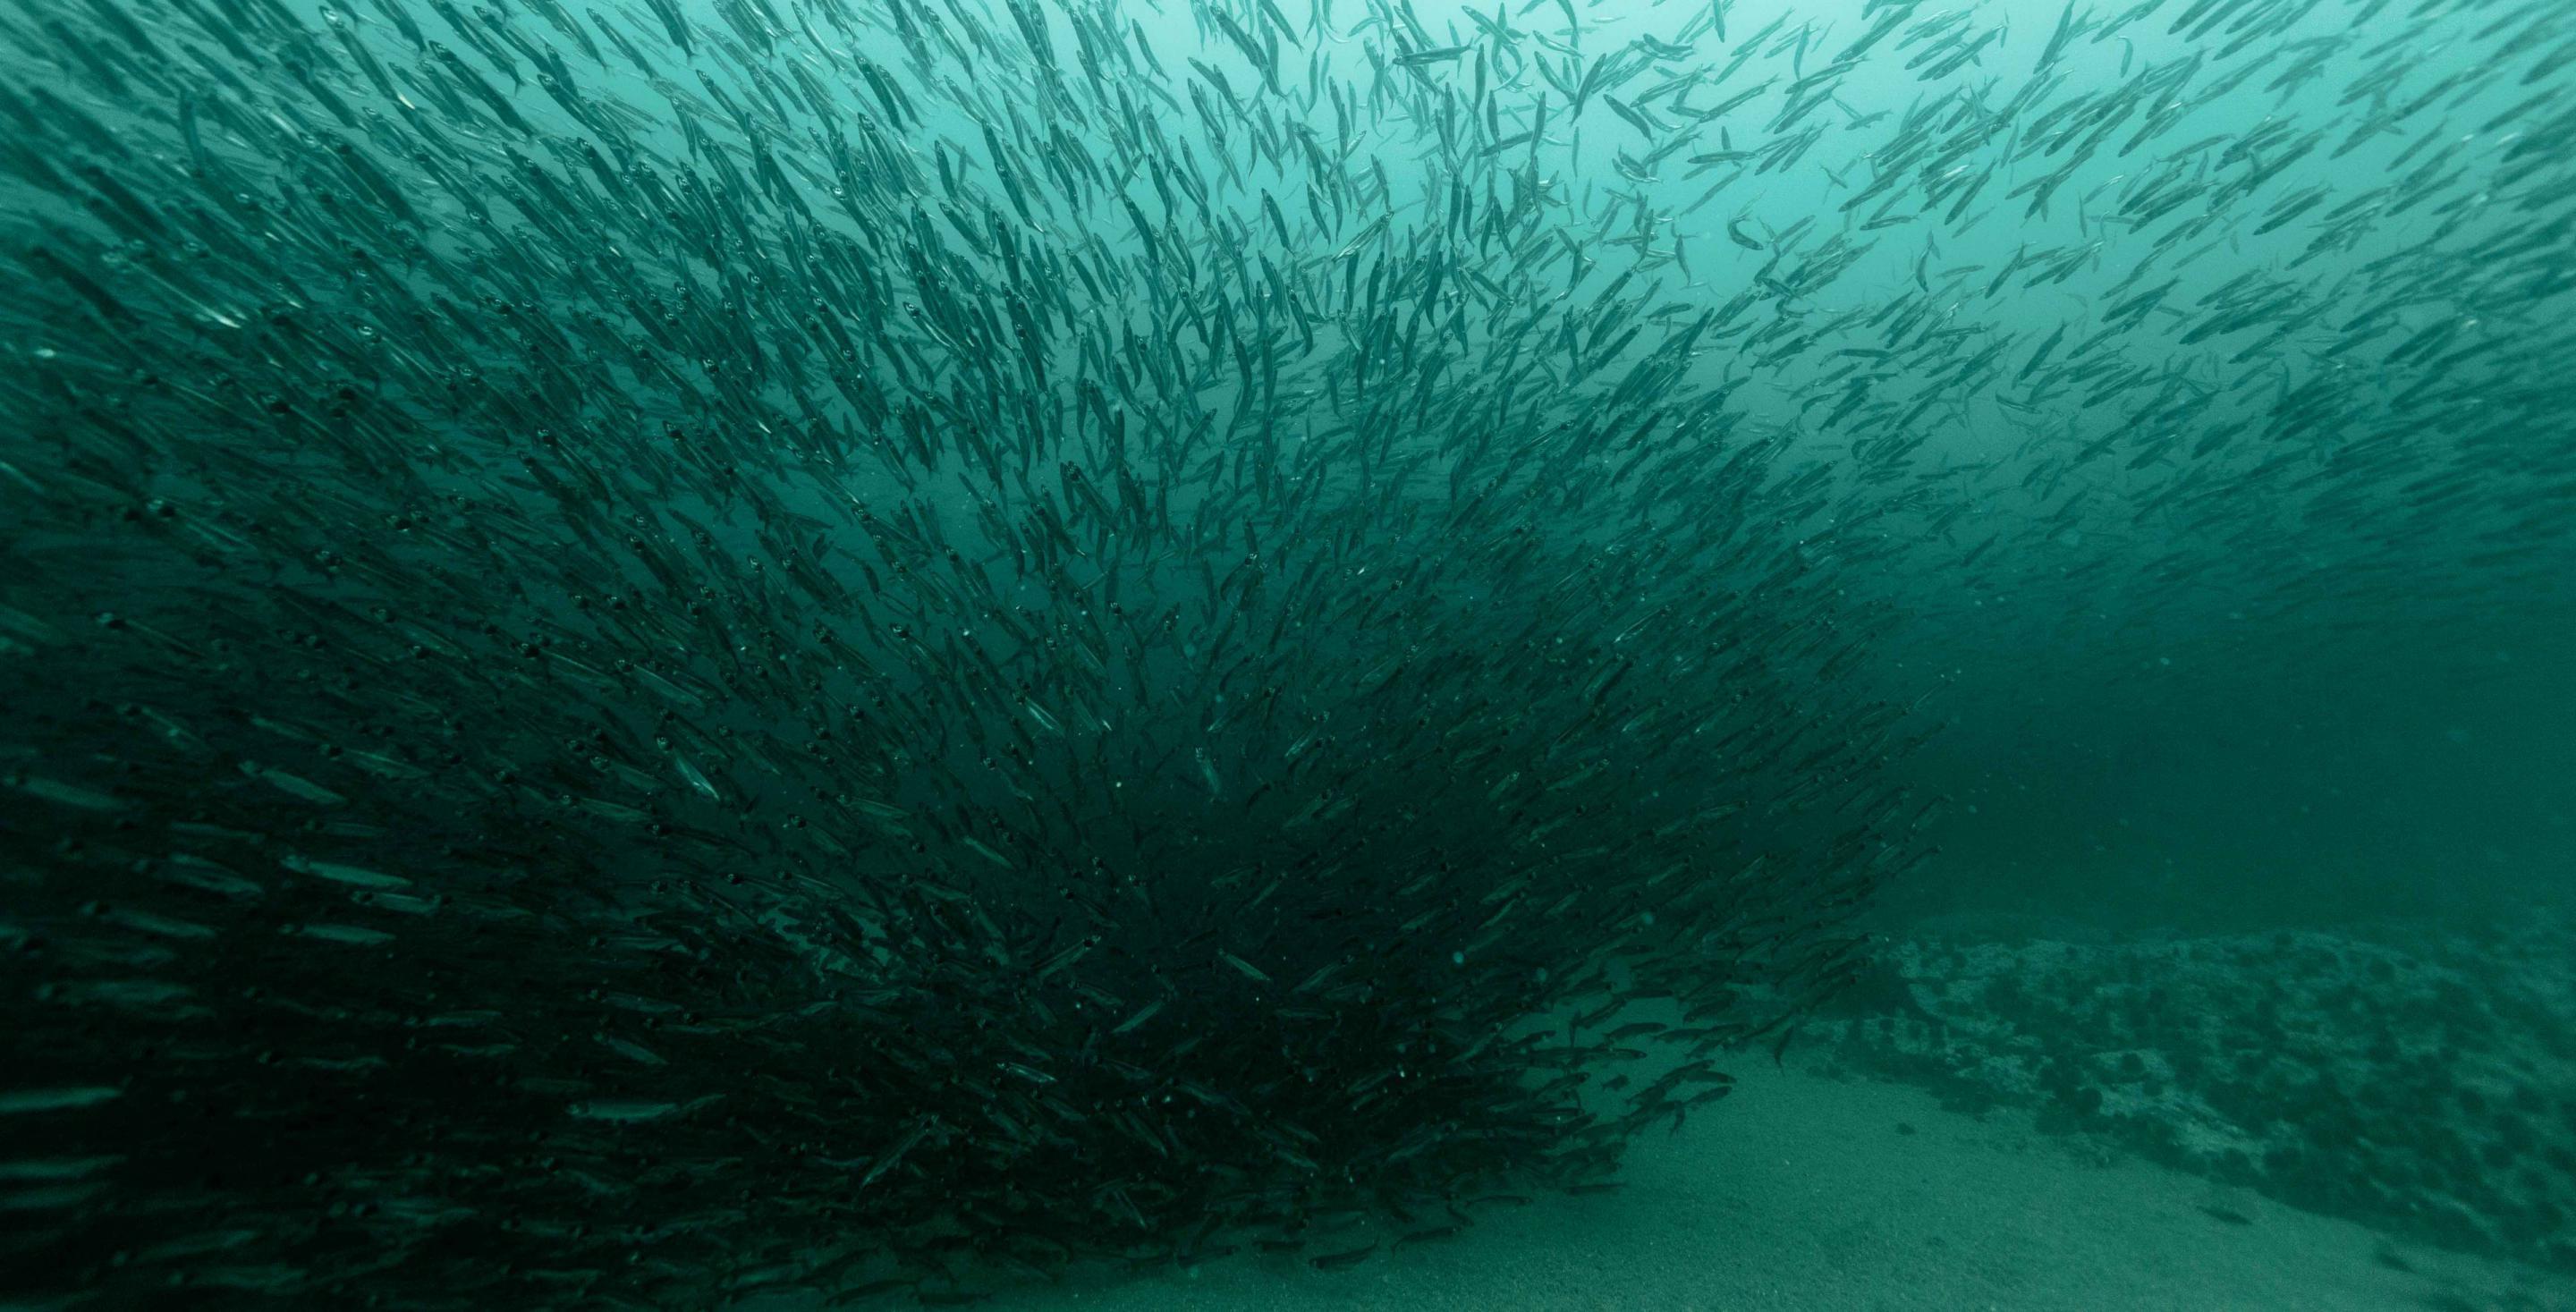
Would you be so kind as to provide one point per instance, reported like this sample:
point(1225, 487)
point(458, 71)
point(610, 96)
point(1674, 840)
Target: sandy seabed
point(1804, 1192)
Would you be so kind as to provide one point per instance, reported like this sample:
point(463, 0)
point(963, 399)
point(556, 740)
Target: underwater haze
point(1288, 653)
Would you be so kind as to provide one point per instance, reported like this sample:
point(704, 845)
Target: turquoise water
point(666, 652)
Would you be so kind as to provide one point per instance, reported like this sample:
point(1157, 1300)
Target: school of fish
point(662, 650)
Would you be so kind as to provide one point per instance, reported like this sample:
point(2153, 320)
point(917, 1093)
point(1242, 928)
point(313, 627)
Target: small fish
point(625, 1111)
point(1142, 1015)
point(1343, 1260)
point(352, 876)
point(22, 1102)
point(62, 794)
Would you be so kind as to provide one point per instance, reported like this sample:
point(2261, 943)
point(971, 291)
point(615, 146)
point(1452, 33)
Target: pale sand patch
point(1799, 1192)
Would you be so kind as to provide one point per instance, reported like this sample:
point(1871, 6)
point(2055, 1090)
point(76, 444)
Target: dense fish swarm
point(627, 688)
point(858, 643)
point(2421, 1081)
